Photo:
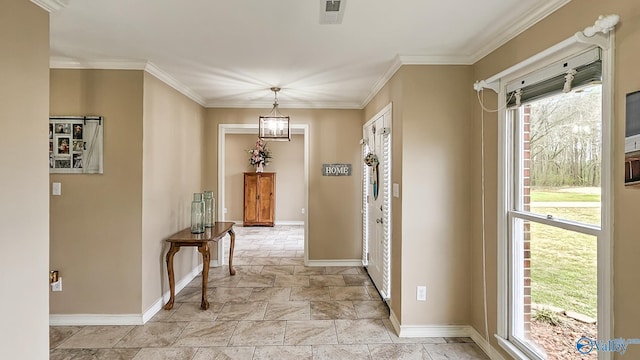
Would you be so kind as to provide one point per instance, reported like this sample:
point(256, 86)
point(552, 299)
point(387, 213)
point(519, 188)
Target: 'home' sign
point(336, 169)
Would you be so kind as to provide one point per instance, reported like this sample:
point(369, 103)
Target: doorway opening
point(224, 199)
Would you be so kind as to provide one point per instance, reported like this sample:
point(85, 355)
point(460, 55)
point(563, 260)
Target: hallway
point(274, 308)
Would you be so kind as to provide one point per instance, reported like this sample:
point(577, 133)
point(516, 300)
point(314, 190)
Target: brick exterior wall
point(526, 200)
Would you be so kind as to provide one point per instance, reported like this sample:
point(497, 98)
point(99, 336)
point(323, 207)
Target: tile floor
point(274, 308)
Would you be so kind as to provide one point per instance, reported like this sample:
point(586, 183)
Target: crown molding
point(395, 65)
point(434, 60)
point(154, 70)
point(287, 105)
point(68, 63)
point(151, 68)
point(51, 5)
point(517, 27)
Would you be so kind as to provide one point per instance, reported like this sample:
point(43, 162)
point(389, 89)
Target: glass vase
point(197, 214)
point(209, 209)
point(260, 168)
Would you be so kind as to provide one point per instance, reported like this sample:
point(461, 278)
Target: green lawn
point(551, 196)
point(564, 263)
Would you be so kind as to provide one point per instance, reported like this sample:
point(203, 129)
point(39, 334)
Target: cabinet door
point(266, 189)
point(250, 198)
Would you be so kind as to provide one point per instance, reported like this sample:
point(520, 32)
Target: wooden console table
point(186, 238)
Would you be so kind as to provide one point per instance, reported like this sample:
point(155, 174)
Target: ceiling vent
point(331, 11)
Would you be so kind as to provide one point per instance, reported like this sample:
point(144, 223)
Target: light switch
point(56, 188)
point(396, 190)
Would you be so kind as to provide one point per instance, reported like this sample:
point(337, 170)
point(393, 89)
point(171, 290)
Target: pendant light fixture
point(274, 126)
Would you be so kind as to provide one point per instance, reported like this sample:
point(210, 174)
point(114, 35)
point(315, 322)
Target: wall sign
point(336, 169)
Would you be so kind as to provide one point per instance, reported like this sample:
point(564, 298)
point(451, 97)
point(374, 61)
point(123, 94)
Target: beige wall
point(431, 132)
point(334, 202)
point(562, 24)
point(288, 164)
point(24, 213)
point(96, 224)
point(173, 146)
point(436, 189)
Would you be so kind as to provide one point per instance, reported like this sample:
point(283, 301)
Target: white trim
point(561, 50)
point(570, 225)
point(567, 47)
point(276, 223)
point(330, 263)
point(289, 223)
point(159, 304)
point(434, 60)
point(163, 76)
point(69, 63)
point(491, 352)
point(605, 246)
point(382, 81)
point(415, 331)
point(518, 26)
point(51, 5)
point(422, 331)
point(290, 104)
point(148, 66)
point(394, 321)
point(95, 319)
point(123, 319)
point(511, 349)
point(223, 130)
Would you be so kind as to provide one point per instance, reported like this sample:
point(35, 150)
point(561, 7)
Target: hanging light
point(274, 126)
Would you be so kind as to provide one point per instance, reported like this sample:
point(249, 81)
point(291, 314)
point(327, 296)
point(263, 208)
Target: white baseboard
point(122, 319)
point(491, 352)
point(276, 222)
point(289, 223)
point(409, 331)
point(157, 306)
point(95, 319)
point(356, 262)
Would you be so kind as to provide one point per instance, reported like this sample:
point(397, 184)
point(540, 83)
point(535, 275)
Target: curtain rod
point(596, 34)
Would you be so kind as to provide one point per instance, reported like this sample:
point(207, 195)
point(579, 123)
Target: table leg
point(232, 245)
point(172, 282)
point(206, 259)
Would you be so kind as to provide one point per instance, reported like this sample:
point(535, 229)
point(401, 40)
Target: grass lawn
point(547, 196)
point(564, 263)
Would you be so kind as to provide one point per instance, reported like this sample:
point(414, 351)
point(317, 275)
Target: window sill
point(511, 349)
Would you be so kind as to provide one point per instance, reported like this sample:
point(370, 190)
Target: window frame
point(506, 188)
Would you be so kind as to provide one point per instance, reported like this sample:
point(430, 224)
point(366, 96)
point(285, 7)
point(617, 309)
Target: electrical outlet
point(57, 286)
point(302, 211)
point(421, 293)
point(225, 210)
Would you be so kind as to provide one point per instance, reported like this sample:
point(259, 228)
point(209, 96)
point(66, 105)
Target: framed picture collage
point(75, 144)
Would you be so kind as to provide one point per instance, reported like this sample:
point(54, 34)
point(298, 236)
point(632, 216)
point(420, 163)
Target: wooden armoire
point(259, 198)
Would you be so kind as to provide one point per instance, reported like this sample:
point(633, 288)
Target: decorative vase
point(197, 214)
point(260, 168)
point(209, 209)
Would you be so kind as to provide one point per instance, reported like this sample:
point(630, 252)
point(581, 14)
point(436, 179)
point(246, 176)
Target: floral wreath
point(371, 159)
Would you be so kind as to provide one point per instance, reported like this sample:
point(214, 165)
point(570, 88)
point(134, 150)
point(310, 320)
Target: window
point(554, 211)
point(554, 219)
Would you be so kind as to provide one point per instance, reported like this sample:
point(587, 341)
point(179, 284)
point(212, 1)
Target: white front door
point(377, 201)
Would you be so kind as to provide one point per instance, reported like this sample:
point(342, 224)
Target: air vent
point(331, 11)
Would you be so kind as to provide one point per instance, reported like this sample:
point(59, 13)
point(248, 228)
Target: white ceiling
point(229, 53)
